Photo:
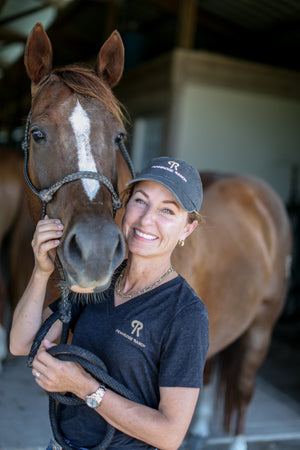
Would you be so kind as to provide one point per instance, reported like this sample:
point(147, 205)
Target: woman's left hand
point(54, 375)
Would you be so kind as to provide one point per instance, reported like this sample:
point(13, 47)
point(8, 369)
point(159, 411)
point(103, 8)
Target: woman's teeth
point(150, 237)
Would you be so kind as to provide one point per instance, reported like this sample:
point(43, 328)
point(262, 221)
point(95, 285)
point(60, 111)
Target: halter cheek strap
point(46, 195)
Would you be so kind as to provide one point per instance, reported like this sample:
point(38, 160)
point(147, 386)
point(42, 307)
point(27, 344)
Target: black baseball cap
point(178, 176)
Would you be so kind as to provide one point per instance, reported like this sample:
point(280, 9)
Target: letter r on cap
point(173, 165)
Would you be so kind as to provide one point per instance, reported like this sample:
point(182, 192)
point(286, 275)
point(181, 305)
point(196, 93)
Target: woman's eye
point(140, 200)
point(168, 211)
point(38, 136)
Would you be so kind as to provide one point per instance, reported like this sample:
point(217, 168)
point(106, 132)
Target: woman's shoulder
point(181, 296)
point(185, 288)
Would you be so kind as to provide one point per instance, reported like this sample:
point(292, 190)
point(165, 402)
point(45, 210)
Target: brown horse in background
point(237, 263)
point(16, 231)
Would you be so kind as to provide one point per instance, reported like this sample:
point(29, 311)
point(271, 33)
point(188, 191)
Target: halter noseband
point(46, 195)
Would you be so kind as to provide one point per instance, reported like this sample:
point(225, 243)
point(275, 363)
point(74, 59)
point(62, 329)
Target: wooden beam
point(170, 6)
point(9, 36)
point(187, 23)
point(111, 17)
point(205, 19)
point(2, 4)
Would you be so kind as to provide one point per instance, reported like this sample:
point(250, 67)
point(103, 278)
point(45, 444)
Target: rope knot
point(45, 195)
point(117, 203)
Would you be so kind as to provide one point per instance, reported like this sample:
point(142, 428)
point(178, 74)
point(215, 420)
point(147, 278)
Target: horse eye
point(119, 138)
point(38, 136)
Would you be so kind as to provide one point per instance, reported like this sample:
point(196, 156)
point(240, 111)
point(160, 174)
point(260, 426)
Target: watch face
point(94, 400)
point(92, 403)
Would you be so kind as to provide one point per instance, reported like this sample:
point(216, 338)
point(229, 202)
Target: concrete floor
point(273, 420)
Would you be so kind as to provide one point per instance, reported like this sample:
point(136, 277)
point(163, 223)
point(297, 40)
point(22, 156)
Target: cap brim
point(188, 207)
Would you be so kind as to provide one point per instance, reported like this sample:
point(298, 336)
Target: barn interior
point(248, 51)
point(265, 32)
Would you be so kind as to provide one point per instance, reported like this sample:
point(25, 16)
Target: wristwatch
point(93, 400)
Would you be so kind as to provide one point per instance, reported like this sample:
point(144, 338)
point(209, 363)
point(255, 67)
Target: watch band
point(94, 400)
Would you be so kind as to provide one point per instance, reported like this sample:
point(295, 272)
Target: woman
point(151, 329)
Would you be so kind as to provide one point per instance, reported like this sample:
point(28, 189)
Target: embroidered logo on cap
point(173, 165)
point(173, 169)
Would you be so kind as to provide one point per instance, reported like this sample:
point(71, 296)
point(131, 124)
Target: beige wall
point(234, 131)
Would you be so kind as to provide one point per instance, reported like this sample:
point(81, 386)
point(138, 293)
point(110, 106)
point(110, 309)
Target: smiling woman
point(141, 330)
point(153, 216)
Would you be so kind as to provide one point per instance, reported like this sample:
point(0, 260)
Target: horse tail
point(229, 363)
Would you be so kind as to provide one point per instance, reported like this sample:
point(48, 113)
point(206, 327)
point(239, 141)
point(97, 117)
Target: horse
point(237, 262)
point(76, 126)
point(15, 235)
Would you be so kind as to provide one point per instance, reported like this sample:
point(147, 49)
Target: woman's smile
point(145, 236)
point(154, 221)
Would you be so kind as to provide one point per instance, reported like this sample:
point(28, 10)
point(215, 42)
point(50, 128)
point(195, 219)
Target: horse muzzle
point(90, 253)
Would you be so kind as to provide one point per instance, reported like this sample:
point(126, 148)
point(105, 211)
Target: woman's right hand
point(45, 240)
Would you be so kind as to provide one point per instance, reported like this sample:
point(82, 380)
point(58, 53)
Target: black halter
point(46, 195)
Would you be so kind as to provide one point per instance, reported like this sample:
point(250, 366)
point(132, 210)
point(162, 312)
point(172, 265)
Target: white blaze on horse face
point(81, 126)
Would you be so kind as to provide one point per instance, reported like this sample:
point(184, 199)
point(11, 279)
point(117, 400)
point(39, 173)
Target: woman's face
point(154, 221)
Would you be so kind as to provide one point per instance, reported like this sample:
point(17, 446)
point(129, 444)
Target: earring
point(181, 243)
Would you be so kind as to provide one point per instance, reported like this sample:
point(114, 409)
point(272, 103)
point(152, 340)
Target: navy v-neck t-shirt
point(158, 339)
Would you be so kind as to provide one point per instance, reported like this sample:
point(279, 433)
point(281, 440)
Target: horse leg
point(255, 344)
point(200, 426)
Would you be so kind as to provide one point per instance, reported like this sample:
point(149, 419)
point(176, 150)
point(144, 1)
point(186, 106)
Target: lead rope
point(69, 352)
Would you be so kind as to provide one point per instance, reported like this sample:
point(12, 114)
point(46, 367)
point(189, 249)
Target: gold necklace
point(141, 291)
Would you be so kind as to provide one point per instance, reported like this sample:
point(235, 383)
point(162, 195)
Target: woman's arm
point(163, 428)
point(28, 315)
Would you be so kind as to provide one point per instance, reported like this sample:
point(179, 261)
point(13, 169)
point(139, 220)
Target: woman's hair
point(196, 216)
point(192, 216)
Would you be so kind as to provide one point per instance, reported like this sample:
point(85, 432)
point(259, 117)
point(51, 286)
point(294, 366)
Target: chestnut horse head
point(73, 135)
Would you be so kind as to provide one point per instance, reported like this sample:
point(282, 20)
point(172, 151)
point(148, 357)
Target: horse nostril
point(74, 250)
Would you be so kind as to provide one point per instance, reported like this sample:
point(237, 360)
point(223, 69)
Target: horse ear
point(110, 60)
point(38, 54)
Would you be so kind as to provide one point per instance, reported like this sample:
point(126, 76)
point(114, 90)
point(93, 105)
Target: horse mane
point(85, 81)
